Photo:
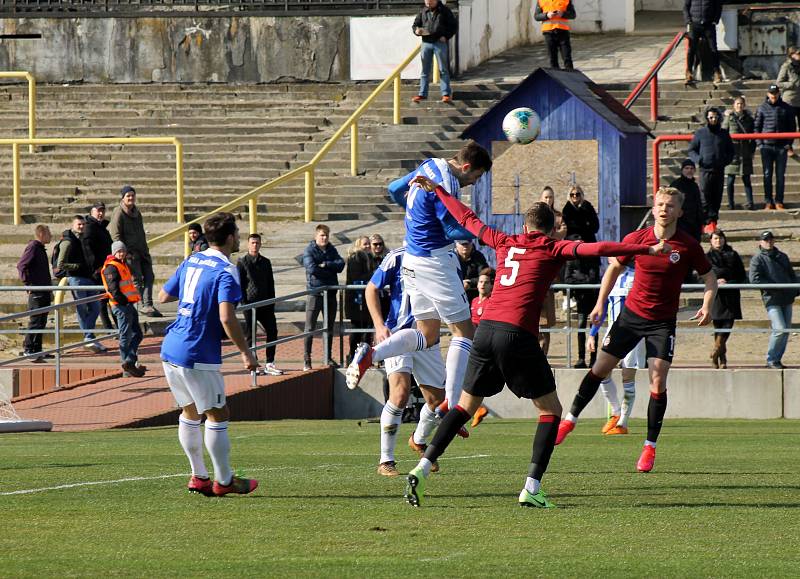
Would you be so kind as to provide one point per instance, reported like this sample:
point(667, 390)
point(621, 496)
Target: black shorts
point(628, 329)
point(506, 354)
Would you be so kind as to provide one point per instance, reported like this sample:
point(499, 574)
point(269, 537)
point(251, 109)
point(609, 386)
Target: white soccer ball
point(522, 125)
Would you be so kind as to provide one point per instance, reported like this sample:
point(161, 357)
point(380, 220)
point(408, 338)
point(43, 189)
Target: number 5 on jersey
point(513, 265)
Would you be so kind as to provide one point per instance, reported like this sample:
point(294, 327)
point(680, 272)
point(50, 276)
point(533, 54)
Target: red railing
point(652, 78)
point(672, 138)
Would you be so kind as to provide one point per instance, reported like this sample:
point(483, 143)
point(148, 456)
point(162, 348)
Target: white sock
point(401, 342)
point(426, 466)
point(649, 443)
point(628, 397)
point(191, 437)
point(219, 447)
point(609, 388)
point(391, 417)
point(456, 367)
point(532, 485)
point(571, 417)
point(427, 423)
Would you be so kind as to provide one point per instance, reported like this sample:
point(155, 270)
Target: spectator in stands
point(34, 269)
point(197, 241)
point(789, 82)
point(547, 317)
point(322, 263)
point(701, 18)
point(75, 260)
point(580, 217)
point(122, 294)
point(774, 116)
point(771, 265)
point(127, 226)
point(360, 266)
point(378, 248)
point(692, 219)
point(97, 241)
point(436, 24)
point(258, 284)
point(712, 149)
point(553, 14)
point(471, 263)
point(740, 121)
point(727, 306)
point(583, 271)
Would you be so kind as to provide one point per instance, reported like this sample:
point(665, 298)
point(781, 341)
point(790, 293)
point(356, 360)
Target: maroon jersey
point(477, 307)
point(657, 285)
point(526, 265)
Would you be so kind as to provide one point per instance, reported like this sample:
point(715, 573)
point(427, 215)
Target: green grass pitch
point(723, 501)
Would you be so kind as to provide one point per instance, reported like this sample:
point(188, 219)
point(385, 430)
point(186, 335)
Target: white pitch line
point(464, 457)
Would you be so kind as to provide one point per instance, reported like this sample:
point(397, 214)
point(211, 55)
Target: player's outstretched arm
point(703, 315)
point(373, 299)
point(233, 329)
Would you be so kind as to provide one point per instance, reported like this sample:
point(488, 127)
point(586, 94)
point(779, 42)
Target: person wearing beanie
point(712, 149)
point(693, 218)
point(127, 226)
point(197, 241)
point(122, 295)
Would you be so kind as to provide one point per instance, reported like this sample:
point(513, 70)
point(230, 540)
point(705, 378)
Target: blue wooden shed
point(572, 107)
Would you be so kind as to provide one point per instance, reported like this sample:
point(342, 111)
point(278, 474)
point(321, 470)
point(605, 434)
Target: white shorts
point(435, 287)
point(426, 365)
point(203, 388)
point(636, 358)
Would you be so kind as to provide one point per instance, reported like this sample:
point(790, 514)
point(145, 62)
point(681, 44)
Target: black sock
point(586, 392)
point(655, 414)
point(451, 423)
point(543, 443)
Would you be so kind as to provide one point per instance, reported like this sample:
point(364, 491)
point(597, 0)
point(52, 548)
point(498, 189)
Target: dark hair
point(40, 229)
point(218, 227)
point(719, 233)
point(540, 217)
point(78, 217)
point(254, 236)
point(475, 155)
point(195, 227)
point(487, 271)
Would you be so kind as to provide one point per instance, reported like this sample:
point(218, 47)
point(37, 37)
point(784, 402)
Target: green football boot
point(415, 488)
point(539, 500)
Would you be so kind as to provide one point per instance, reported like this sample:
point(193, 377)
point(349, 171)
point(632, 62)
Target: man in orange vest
point(553, 14)
point(122, 294)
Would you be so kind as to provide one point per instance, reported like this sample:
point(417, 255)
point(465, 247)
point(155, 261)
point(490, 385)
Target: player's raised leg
point(543, 443)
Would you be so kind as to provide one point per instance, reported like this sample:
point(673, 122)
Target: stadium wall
point(693, 393)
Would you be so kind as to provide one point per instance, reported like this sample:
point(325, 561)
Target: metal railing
point(738, 137)
point(308, 170)
point(651, 78)
point(31, 102)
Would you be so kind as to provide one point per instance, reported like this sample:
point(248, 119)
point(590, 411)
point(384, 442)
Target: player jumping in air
point(636, 358)
point(430, 271)
point(506, 343)
point(650, 313)
point(207, 289)
point(426, 365)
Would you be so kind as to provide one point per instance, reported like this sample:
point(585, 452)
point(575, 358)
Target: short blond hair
point(671, 192)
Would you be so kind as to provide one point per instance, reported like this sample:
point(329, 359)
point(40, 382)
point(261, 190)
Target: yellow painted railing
point(17, 172)
point(31, 100)
point(307, 171)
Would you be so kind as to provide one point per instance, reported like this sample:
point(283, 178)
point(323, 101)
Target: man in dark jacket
point(770, 265)
point(322, 263)
point(34, 269)
point(97, 241)
point(258, 283)
point(553, 14)
point(471, 261)
point(693, 218)
point(580, 217)
point(74, 259)
point(712, 149)
point(197, 241)
point(701, 18)
point(774, 116)
point(436, 24)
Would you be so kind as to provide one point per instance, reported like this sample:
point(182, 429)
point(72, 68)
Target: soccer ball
point(522, 125)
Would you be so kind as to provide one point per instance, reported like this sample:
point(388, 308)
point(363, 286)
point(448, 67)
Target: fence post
point(326, 335)
point(58, 348)
point(309, 209)
point(396, 111)
point(354, 149)
point(654, 98)
point(569, 328)
point(15, 184)
point(31, 111)
point(180, 217)
point(341, 327)
point(252, 206)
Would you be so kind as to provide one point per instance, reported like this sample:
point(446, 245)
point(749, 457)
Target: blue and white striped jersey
point(425, 213)
point(390, 273)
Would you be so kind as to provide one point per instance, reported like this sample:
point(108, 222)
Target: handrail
point(652, 78)
point(31, 102)
point(15, 143)
point(738, 137)
point(251, 197)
